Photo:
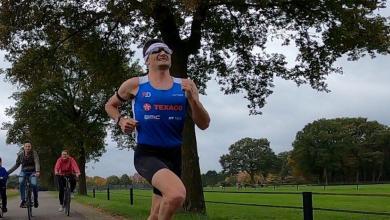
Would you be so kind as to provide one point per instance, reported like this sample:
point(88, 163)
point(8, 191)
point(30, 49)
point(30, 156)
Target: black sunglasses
point(158, 50)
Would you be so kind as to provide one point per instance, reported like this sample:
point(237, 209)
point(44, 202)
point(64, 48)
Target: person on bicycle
point(29, 160)
point(3, 186)
point(65, 166)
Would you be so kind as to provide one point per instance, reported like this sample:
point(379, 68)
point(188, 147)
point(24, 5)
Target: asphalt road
point(48, 209)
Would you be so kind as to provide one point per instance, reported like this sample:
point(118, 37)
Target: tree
point(214, 38)
point(90, 182)
point(138, 179)
point(253, 156)
point(283, 166)
point(230, 181)
point(125, 180)
point(60, 104)
point(212, 178)
point(100, 181)
point(273, 178)
point(244, 178)
point(342, 149)
point(113, 180)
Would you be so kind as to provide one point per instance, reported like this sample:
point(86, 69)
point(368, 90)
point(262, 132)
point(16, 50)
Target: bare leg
point(173, 191)
point(154, 210)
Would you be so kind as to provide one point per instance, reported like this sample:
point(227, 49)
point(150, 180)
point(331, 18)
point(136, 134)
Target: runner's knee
point(176, 198)
point(153, 215)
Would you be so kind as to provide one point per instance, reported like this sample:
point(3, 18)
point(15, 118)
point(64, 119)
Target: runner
point(160, 104)
point(29, 160)
point(65, 166)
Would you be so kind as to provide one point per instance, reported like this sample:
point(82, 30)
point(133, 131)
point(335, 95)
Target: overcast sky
point(362, 91)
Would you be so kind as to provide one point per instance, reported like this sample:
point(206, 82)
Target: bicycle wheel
point(28, 202)
point(65, 201)
point(67, 198)
point(1, 210)
point(67, 209)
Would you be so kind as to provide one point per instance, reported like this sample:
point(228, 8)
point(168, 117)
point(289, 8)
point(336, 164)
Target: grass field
point(12, 192)
point(371, 198)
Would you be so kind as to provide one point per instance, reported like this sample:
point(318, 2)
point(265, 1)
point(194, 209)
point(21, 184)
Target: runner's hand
point(189, 87)
point(127, 124)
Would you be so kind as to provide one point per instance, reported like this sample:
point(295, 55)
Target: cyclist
point(160, 104)
point(29, 160)
point(3, 186)
point(65, 166)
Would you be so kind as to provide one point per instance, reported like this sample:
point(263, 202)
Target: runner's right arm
point(125, 92)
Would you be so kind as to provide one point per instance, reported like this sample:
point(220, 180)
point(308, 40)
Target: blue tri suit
point(160, 115)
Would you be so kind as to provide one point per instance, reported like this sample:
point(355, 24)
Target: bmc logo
point(152, 117)
point(147, 107)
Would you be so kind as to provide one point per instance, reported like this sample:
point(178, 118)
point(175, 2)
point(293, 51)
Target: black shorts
point(148, 160)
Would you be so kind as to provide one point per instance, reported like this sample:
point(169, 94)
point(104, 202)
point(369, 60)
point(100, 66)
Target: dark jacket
point(4, 177)
point(19, 161)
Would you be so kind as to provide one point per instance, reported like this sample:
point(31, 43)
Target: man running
point(3, 186)
point(29, 160)
point(160, 104)
point(65, 166)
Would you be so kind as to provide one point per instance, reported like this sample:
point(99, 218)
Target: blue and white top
point(4, 177)
point(160, 114)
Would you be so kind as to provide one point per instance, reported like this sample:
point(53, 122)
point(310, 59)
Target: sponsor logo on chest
point(146, 94)
point(162, 107)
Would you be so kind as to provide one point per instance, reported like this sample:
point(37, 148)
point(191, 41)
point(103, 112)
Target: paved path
point(48, 210)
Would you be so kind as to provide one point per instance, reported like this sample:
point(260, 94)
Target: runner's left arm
point(198, 112)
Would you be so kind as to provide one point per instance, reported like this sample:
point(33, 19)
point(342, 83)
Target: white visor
point(156, 47)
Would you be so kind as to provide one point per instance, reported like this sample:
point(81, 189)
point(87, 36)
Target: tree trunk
point(46, 178)
point(190, 166)
point(82, 177)
point(191, 172)
point(326, 176)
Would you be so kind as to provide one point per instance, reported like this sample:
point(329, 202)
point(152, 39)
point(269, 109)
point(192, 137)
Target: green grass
point(119, 203)
point(12, 193)
point(352, 189)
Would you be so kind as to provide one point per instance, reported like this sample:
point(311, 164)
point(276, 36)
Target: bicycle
point(28, 191)
point(67, 195)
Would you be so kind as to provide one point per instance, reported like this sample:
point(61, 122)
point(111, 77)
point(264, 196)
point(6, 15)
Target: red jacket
point(66, 166)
